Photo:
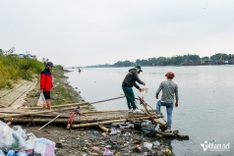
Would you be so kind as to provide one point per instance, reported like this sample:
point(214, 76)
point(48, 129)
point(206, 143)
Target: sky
point(92, 32)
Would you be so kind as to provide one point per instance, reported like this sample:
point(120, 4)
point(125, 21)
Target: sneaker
point(130, 111)
point(160, 115)
point(137, 111)
point(168, 131)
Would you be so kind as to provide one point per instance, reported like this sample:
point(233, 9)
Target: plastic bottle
point(22, 153)
point(11, 153)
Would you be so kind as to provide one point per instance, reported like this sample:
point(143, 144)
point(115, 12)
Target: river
point(206, 102)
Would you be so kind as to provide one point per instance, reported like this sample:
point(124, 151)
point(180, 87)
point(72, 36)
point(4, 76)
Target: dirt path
point(15, 97)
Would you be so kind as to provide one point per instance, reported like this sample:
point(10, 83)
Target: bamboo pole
point(112, 117)
point(59, 106)
point(104, 128)
point(3, 114)
point(68, 126)
point(9, 122)
point(76, 119)
point(11, 110)
point(33, 113)
point(46, 113)
point(41, 115)
point(159, 122)
point(2, 106)
point(106, 111)
point(108, 122)
point(74, 104)
point(36, 120)
point(153, 117)
point(102, 111)
point(49, 122)
point(155, 120)
point(107, 100)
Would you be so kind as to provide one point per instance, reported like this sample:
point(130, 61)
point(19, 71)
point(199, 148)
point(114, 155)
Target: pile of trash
point(16, 142)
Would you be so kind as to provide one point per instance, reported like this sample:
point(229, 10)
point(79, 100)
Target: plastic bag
point(20, 131)
point(41, 101)
point(2, 153)
point(30, 142)
point(107, 152)
point(9, 139)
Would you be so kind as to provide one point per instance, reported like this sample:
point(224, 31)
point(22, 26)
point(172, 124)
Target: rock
point(94, 154)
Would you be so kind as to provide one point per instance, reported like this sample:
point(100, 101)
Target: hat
point(138, 67)
point(170, 74)
point(49, 64)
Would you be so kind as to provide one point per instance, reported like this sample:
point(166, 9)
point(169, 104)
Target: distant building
point(21, 55)
point(231, 60)
point(27, 56)
point(226, 62)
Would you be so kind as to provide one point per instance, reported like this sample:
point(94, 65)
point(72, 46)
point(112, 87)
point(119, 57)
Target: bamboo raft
point(84, 119)
point(77, 115)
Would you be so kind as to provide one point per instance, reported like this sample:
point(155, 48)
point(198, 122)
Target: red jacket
point(46, 83)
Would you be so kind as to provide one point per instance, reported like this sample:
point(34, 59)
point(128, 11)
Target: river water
point(206, 102)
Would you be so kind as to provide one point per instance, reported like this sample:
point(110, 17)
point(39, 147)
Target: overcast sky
point(91, 32)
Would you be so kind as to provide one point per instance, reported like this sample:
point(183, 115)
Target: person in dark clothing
point(46, 83)
point(129, 81)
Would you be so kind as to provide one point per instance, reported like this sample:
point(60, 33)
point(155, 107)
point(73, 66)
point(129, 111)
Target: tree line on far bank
point(220, 58)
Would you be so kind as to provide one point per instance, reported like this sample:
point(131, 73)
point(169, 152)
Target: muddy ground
point(123, 140)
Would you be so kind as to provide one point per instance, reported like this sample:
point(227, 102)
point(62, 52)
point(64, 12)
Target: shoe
point(168, 131)
point(160, 115)
point(130, 111)
point(137, 111)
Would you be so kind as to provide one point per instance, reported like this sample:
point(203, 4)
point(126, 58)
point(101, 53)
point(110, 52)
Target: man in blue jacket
point(128, 82)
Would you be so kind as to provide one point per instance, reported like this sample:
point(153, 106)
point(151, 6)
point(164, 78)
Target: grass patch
point(14, 68)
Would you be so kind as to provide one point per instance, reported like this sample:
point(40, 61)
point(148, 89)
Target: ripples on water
point(206, 100)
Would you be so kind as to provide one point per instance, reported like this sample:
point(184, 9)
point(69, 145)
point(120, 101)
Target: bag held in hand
point(41, 101)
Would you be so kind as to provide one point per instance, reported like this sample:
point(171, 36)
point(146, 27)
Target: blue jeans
point(169, 107)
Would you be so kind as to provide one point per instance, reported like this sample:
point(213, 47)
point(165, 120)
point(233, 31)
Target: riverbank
point(124, 140)
point(61, 94)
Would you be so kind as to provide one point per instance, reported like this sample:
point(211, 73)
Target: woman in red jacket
point(46, 83)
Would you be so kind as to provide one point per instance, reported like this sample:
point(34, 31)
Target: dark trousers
point(129, 94)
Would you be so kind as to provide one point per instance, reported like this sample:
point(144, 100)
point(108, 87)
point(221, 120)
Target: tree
point(219, 57)
point(10, 51)
point(206, 58)
point(152, 61)
point(163, 61)
point(1, 52)
point(193, 58)
point(142, 62)
point(123, 64)
point(176, 60)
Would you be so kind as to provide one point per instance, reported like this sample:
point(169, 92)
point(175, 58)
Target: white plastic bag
point(41, 101)
point(9, 139)
point(20, 131)
point(30, 142)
